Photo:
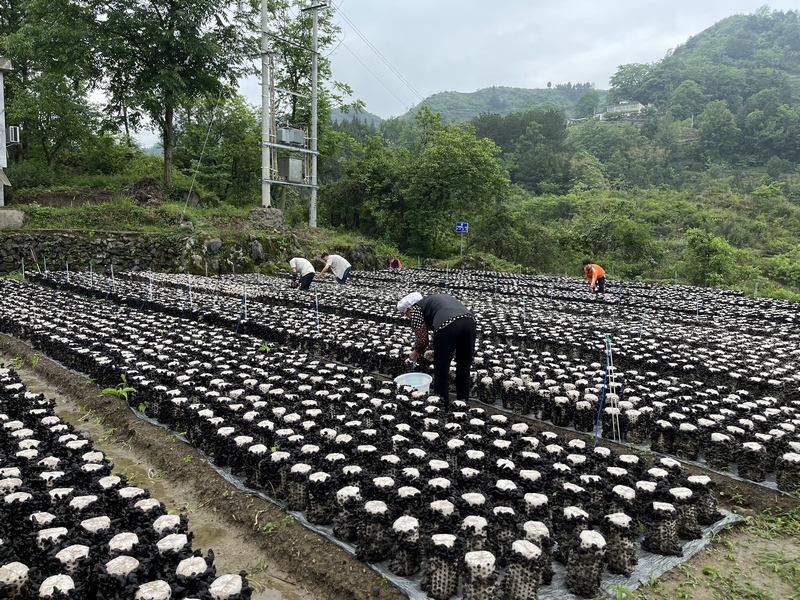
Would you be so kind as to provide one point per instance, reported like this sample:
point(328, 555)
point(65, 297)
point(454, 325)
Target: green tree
point(708, 260)
point(717, 133)
point(56, 120)
point(586, 173)
point(505, 232)
point(412, 196)
point(687, 100)
point(453, 175)
point(628, 83)
point(148, 57)
point(220, 142)
point(367, 197)
point(586, 106)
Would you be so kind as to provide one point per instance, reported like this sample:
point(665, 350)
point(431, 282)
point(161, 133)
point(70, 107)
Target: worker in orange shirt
point(595, 275)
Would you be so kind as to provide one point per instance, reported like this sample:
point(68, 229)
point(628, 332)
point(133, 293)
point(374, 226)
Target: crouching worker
point(453, 329)
point(595, 275)
point(302, 272)
point(338, 265)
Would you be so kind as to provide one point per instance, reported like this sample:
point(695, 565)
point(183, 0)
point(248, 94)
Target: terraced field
point(602, 433)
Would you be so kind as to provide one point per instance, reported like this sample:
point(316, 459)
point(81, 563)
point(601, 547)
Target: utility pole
point(273, 171)
point(312, 213)
point(266, 112)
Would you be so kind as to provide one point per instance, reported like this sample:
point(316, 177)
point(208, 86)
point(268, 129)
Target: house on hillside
point(625, 109)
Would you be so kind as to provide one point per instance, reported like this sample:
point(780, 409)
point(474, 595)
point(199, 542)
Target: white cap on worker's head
point(408, 301)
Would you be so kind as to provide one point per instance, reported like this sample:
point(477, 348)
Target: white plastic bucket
point(421, 381)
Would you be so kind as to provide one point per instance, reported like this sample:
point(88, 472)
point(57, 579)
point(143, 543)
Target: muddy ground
point(286, 561)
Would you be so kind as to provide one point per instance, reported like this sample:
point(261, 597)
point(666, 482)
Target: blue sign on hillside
point(462, 227)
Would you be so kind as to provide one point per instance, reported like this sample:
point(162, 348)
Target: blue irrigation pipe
point(241, 312)
point(603, 394)
point(146, 296)
point(644, 316)
point(186, 297)
point(316, 303)
point(110, 281)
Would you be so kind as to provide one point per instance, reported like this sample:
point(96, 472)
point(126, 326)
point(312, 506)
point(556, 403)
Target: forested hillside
point(701, 185)
point(456, 107)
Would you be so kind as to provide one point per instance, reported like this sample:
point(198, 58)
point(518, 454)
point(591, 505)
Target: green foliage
point(587, 105)
point(708, 259)
point(30, 174)
point(456, 107)
point(231, 165)
point(121, 390)
point(56, 118)
point(687, 100)
point(412, 198)
point(122, 214)
point(717, 131)
point(785, 267)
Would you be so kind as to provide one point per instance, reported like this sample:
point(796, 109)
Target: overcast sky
point(430, 46)
point(467, 45)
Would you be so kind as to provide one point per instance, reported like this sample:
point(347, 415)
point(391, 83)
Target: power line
point(379, 55)
point(373, 74)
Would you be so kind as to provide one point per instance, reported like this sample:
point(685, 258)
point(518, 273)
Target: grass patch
point(120, 214)
point(775, 522)
point(785, 566)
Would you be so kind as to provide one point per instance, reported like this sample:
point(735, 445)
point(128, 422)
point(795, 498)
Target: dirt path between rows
point(286, 561)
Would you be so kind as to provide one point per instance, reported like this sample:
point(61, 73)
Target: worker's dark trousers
point(600, 284)
point(305, 281)
point(457, 339)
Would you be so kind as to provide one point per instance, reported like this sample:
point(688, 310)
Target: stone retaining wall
point(127, 251)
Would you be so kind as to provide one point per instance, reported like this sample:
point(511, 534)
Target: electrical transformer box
point(291, 137)
point(290, 168)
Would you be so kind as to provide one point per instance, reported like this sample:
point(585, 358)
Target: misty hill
point(337, 116)
point(456, 107)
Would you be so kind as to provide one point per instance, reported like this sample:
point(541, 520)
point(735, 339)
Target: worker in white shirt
point(302, 272)
point(338, 266)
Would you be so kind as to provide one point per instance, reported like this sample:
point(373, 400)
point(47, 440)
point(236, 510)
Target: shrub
point(30, 174)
